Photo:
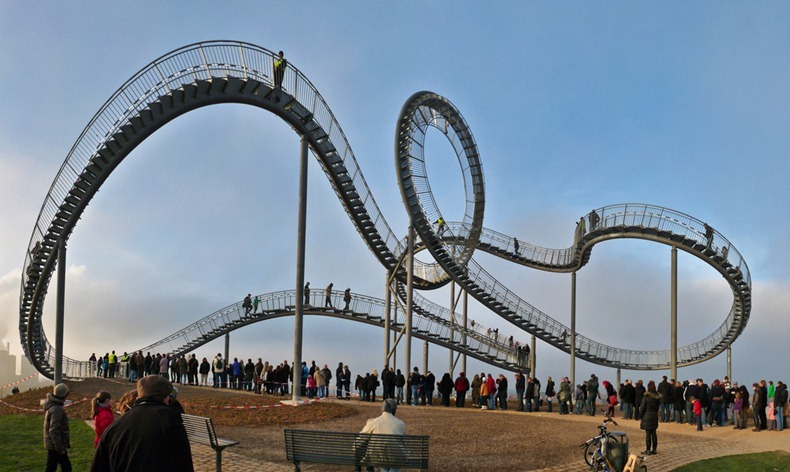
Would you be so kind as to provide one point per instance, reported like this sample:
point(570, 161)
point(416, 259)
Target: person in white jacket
point(387, 423)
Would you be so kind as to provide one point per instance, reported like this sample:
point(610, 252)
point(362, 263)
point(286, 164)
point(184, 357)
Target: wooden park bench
point(201, 430)
point(356, 449)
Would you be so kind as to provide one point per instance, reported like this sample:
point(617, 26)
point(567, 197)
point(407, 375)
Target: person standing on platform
point(279, 70)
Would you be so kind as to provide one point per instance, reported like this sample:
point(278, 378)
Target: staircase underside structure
point(210, 73)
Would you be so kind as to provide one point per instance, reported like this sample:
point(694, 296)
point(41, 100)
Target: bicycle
point(597, 452)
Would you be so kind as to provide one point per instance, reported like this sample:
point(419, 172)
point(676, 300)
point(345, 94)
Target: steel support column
point(463, 358)
point(452, 324)
point(573, 330)
point(409, 294)
point(388, 314)
point(673, 340)
point(227, 347)
point(60, 311)
point(532, 357)
point(729, 362)
point(300, 263)
point(425, 357)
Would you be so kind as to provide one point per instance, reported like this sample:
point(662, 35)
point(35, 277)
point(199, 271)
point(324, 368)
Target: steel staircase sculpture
point(216, 72)
point(426, 324)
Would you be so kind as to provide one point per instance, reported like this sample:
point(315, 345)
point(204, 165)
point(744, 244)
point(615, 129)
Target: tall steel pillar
point(425, 357)
point(300, 263)
point(673, 342)
point(573, 330)
point(463, 357)
point(394, 356)
point(227, 347)
point(60, 311)
point(452, 325)
point(617, 385)
point(532, 356)
point(388, 314)
point(409, 301)
point(729, 362)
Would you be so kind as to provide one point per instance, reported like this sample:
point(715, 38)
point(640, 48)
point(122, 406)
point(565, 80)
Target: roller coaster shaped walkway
point(218, 72)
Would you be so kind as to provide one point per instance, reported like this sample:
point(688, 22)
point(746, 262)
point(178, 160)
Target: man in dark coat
point(340, 379)
point(639, 393)
point(430, 384)
point(758, 407)
point(649, 410)
point(592, 394)
point(57, 437)
point(628, 398)
point(665, 390)
point(387, 378)
point(530, 392)
point(148, 437)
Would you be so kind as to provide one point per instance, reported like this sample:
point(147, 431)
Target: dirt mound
point(249, 410)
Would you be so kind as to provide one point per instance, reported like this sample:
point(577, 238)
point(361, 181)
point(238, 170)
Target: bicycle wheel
point(590, 453)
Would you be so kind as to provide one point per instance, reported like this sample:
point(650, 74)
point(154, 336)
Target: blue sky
point(573, 106)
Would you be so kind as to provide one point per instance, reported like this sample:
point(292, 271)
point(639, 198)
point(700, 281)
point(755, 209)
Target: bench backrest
point(367, 450)
point(200, 429)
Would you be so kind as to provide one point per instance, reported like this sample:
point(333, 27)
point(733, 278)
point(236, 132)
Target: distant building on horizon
point(8, 371)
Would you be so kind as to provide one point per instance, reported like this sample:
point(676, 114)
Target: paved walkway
point(684, 444)
point(204, 460)
point(678, 445)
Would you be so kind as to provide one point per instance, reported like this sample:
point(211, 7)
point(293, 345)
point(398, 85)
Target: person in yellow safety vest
point(440, 226)
point(279, 70)
point(112, 361)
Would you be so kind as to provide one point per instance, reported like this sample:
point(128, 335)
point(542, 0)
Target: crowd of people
point(691, 401)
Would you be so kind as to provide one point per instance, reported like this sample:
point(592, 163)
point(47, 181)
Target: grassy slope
point(22, 444)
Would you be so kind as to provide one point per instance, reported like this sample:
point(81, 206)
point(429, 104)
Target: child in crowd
point(737, 411)
point(101, 413)
point(697, 412)
point(771, 416)
point(310, 386)
point(579, 397)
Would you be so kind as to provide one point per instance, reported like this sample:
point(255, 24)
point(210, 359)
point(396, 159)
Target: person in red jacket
point(461, 387)
point(101, 412)
point(491, 392)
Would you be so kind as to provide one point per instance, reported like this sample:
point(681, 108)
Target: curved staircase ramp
point(429, 323)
